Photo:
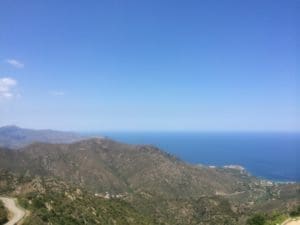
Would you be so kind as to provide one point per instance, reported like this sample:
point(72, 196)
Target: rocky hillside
point(152, 186)
point(53, 201)
point(104, 165)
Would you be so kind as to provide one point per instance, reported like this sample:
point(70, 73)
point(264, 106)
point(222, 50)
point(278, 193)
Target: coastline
point(243, 169)
point(266, 155)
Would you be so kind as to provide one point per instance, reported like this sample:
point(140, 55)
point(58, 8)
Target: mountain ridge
point(101, 164)
point(151, 185)
point(14, 137)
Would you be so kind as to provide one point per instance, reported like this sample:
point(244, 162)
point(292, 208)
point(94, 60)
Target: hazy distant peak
point(12, 136)
point(8, 127)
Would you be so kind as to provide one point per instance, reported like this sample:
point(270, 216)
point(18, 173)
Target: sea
point(272, 156)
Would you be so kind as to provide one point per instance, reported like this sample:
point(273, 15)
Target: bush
point(3, 214)
point(296, 212)
point(257, 219)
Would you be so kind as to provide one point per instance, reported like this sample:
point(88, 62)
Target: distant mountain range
point(151, 186)
point(15, 137)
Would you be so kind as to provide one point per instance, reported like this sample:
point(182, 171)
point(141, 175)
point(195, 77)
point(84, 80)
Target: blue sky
point(150, 65)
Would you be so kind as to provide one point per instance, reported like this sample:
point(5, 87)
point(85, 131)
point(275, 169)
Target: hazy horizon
point(99, 131)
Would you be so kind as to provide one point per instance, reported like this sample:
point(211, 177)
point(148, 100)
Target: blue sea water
point(273, 156)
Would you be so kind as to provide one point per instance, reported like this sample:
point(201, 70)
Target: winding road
point(17, 213)
point(295, 221)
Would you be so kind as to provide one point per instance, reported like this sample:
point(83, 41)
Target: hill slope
point(105, 165)
point(52, 201)
point(158, 186)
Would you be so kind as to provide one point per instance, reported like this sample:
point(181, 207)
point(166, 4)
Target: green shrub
point(257, 219)
point(295, 212)
point(3, 214)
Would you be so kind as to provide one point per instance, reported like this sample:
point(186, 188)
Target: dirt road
point(292, 222)
point(17, 213)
